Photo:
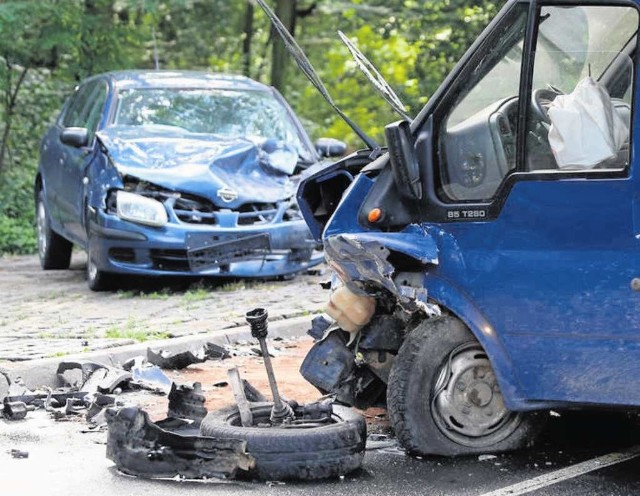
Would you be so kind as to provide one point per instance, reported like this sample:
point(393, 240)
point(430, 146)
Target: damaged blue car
point(175, 173)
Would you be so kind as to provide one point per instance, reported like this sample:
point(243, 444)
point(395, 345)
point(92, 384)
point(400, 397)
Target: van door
point(548, 251)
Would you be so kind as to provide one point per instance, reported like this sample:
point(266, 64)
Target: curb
point(42, 372)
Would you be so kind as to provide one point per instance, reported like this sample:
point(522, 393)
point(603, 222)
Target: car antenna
point(375, 78)
point(305, 66)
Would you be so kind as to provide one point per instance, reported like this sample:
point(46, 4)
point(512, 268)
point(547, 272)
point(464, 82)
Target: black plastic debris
point(319, 326)
point(159, 450)
point(16, 453)
point(187, 402)
point(94, 377)
point(182, 359)
point(15, 410)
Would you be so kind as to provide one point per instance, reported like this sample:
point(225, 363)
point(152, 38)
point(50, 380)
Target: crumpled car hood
point(200, 164)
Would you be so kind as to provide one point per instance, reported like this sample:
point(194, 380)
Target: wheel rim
point(468, 406)
point(41, 226)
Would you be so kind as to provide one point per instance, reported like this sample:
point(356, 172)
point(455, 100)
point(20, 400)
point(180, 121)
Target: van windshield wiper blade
point(305, 66)
point(375, 78)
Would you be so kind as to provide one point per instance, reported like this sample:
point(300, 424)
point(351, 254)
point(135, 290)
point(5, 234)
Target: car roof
point(182, 79)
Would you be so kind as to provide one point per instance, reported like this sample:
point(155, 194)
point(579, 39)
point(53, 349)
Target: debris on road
point(170, 448)
point(16, 453)
point(182, 359)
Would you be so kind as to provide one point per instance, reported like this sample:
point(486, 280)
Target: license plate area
point(204, 253)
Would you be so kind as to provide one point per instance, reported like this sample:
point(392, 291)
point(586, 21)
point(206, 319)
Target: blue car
point(175, 173)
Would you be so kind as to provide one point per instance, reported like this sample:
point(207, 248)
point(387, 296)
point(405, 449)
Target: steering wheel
point(541, 101)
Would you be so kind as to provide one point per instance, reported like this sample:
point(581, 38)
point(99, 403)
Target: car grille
point(192, 210)
point(172, 260)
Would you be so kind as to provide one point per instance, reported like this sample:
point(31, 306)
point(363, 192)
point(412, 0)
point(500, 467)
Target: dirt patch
point(289, 355)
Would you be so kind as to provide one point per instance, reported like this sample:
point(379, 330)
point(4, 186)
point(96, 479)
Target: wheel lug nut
point(488, 412)
point(466, 410)
point(461, 386)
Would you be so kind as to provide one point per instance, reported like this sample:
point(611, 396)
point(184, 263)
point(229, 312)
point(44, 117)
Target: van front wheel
point(443, 397)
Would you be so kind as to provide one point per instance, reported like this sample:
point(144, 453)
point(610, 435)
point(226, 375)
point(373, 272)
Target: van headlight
point(140, 209)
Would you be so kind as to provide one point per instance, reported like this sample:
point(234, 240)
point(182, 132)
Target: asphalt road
point(580, 454)
point(597, 454)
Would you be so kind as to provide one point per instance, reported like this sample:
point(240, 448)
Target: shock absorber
point(259, 323)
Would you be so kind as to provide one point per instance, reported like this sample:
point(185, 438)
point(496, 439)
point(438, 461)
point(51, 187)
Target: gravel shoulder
point(53, 313)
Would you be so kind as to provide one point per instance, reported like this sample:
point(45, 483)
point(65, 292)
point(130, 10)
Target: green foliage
point(47, 46)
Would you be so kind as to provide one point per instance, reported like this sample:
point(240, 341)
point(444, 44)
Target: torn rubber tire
point(290, 453)
point(54, 251)
point(443, 397)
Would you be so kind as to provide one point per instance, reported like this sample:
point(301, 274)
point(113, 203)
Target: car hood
point(202, 164)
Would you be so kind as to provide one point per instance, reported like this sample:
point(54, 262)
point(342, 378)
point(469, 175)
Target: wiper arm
point(305, 66)
point(375, 78)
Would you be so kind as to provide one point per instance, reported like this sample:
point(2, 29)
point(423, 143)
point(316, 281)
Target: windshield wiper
point(375, 78)
point(305, 66)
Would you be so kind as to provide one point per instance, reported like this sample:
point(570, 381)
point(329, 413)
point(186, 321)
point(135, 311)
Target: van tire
point(430, 415)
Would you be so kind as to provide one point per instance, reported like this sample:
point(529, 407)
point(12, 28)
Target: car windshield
point(255, 115)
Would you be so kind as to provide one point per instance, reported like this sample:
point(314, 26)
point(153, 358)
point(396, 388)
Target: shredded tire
point(327, 451)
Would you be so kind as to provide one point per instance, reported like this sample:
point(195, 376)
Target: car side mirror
point(75, 136)
point(329, 147)
point(402, 157)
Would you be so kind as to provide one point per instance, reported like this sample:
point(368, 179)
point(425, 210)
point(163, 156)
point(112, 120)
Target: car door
point(548, 253)
point(73, 185)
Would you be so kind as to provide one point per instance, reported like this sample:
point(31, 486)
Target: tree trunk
point(246, 42)
point(286, 11)
point(10, 107)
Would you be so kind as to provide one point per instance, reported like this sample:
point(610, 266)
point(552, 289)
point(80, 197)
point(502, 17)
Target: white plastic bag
point(585, 127)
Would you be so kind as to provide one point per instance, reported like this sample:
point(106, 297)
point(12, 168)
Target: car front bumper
point(260, 251)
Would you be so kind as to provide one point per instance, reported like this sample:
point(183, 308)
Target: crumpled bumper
point(193, 250)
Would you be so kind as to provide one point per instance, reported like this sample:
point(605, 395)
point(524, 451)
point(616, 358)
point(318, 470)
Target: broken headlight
point(140, 209)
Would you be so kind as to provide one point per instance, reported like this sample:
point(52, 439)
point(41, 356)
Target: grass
point(134, 330)
point(162, 294)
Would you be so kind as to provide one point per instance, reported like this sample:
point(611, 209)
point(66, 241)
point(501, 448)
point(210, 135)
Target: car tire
point(54, 251)
point(443, 397)
point(97, 279)
point(327, 451)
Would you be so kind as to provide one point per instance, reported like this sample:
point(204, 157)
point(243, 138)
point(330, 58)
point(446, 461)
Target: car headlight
point(140, 209)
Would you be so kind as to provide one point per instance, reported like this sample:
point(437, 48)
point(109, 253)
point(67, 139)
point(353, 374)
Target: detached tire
point(443, 397)
point(54, 251)
point(310, 453)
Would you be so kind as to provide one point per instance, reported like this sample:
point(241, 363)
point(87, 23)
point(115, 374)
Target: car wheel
point(97, 279)
point(54, 251)
point(443, 397)
point(325, 451)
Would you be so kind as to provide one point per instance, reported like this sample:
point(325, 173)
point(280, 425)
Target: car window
point(74, 115)
point(255, 115)
point(582, 87)
point(93, 110)
point(485, 111)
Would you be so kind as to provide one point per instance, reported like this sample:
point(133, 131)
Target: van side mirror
point(329, 147)
point(75, 136)
point(402, 157)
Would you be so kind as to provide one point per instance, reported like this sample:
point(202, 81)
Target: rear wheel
point(54, 251)
point(443, 397)
point(328, 450)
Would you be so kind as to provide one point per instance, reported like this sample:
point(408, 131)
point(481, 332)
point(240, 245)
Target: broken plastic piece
point(15, 410)
point(150, 377)
point(187, 402)
point(145, 449)
point(16, 453)
point(182, 359)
